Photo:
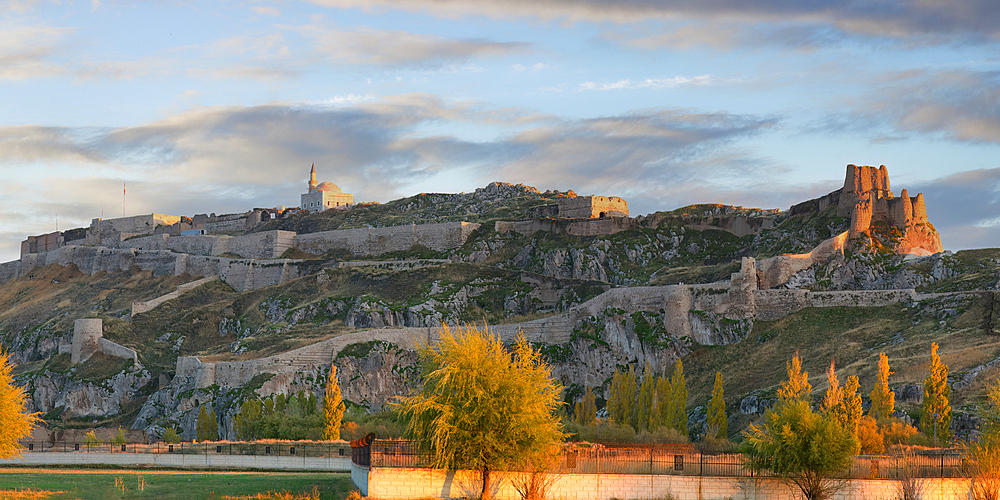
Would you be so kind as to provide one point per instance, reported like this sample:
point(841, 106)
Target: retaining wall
point(392, 483)
point(340, 464)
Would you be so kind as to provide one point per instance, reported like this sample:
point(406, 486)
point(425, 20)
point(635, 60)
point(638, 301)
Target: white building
point(325, 196)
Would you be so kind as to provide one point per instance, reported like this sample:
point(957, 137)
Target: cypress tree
point(717, 420)
point(664, 403)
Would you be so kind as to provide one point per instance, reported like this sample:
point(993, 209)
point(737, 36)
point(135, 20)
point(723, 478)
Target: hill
point(608, 298)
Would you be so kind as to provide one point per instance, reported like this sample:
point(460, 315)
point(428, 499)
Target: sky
point(223, 106)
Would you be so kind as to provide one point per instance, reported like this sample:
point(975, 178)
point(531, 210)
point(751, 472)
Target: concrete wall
point(436, 483)
point(359, 476)
point(378, 240)
point(209, 461)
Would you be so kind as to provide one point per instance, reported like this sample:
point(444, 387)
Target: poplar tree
point(621, 404)
point(717, 420)
point(797, 386)
point(15, 420)
point(586, 410)
point(678, 399)
point(843, 404)
point(201, 427)
point(936, 415)
point(333, 407)
point(645, 407)
point(664, 404)
point(883, 400)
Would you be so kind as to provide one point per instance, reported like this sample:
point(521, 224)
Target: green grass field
point(101, 484)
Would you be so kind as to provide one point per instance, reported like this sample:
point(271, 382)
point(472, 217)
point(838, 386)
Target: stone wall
point(227, 224)
point(87, 334)
point(588, 207)
point(10, 271)
point(378, 240)
point(116, 350)
point(399, 483)
point(576, 227)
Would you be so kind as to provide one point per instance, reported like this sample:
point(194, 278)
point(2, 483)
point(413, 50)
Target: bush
point(171, 436)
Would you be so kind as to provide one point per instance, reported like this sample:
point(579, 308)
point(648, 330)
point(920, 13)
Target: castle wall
point(146, 243)
point(200, 245)
point(772, 305)
point(86, 336)
point(227, 223)
point(10, 271)
point(588, 207)
point(378, 240)
point(576, 227)
point(110, 348)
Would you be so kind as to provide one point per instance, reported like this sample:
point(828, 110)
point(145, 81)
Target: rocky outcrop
point(901, 222)
point(83, 399)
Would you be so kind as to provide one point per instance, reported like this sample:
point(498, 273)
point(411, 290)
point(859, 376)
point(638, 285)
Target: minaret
point(312, 178)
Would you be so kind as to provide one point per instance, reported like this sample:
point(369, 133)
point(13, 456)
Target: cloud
point(656, 83)
point(964, 207)
point(956, 105)
point(970, 20)
point(232, 158)
point(399, 48)
point(27, 51)
point(269, 11)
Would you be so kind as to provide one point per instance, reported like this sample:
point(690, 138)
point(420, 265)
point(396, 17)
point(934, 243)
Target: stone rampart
point(772, 305)
point(588, 207)
point(227, 224)
point(10, 271)
point(199, 244)
point(379, 240)
point(116, 350)
point(141, 307)
point(146, 243)
point(87, 334)
point(576, 227)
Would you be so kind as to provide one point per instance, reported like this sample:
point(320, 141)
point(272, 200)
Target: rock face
point(868, 200)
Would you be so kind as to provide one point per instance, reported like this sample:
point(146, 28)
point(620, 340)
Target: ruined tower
point(867, 199)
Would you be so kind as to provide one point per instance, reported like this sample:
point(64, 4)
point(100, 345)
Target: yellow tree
point(678, 400)
point(15, 420)
point(883, 400)
point(586, 410)
point(717, 421)
point(484, 407)
point(843, 404)
point(797, 386)
point(935, 418)
point(333, 407)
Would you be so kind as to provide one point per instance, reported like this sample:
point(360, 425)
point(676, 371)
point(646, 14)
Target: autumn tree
point(646, 414)
point(245, 421)
point(935, 418)
point(883, 399)
point(676, 417)
point(333, 407)
point(797, 386)
point(843, 404)
point(586, 411)
point(808, 449)
point(15, 420)
point(483, 407)
point(207, 426)
point(718, 424)
point(621, 403)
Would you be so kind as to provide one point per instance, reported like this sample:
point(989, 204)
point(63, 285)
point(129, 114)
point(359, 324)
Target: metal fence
point(686, 461)
point(272, 448)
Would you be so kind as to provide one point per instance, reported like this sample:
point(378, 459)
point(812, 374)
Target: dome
point(328, 186)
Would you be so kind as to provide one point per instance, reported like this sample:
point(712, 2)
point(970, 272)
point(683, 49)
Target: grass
point(92, 484)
